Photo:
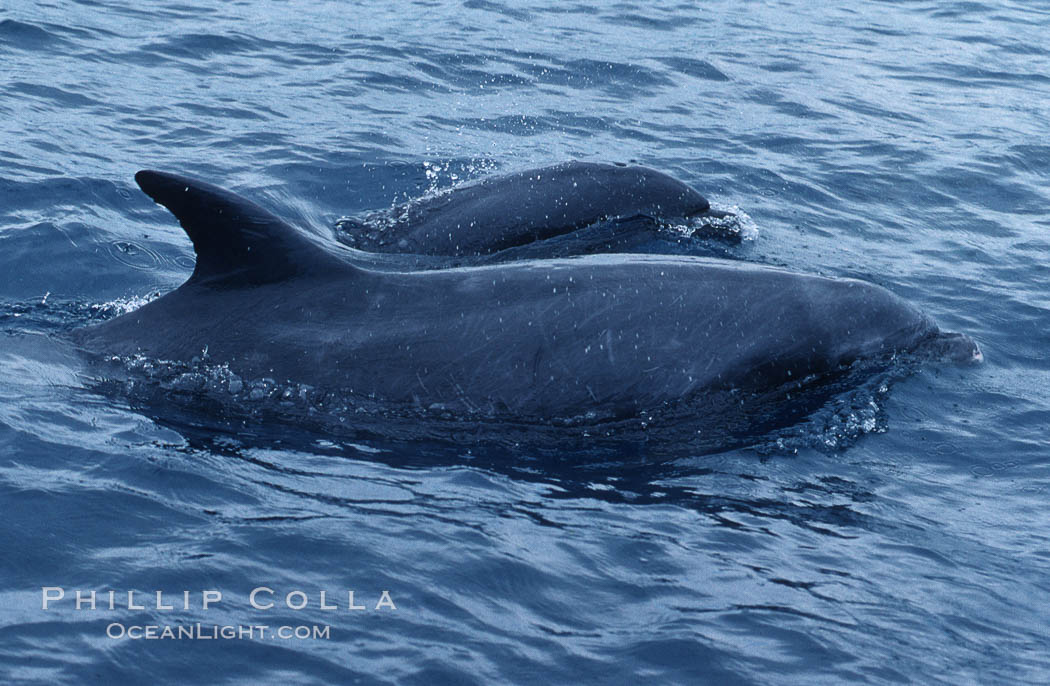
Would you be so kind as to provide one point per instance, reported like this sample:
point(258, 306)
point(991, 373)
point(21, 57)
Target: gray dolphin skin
point(611, 334)
point(510, 210)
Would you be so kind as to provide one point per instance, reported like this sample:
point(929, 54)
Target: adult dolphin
point(612, 335)
point(507, 211)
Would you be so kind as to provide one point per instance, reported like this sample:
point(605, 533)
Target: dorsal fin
point(236, 241)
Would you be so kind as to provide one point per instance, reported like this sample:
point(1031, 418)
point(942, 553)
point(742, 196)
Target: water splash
point(721, 222)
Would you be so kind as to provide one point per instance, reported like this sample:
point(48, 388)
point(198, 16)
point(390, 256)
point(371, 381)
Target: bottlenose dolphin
point(511, 210)
point(604, 335)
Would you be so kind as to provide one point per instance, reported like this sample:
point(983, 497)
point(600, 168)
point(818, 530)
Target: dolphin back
point(512, 210)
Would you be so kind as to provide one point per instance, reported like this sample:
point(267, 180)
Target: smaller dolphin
point(508, 211)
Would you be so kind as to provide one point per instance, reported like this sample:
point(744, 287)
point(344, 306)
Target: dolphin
point(507, 211)
point(611, 335)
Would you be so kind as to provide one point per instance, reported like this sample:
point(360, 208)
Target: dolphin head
point(947, 346)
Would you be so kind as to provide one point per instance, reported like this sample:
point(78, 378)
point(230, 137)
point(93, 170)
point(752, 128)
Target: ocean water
point(895, 536)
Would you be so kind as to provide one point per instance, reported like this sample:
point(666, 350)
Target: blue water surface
point(898, 537)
